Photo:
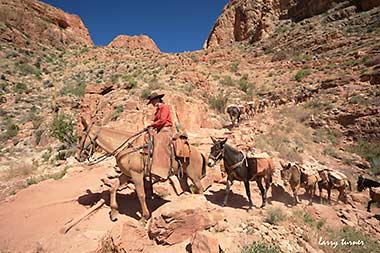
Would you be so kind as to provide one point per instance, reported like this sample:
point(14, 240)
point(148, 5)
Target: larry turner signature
point(342, 242)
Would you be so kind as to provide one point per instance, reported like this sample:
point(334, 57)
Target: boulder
point(178, 220)
point(134, 42)
point(204, 242)
point(129, 237)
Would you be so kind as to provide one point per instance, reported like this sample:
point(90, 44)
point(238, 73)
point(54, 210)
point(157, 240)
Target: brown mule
point(131, 161)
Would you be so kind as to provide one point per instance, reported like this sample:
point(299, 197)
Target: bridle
point(230, 167)
point(218, 157)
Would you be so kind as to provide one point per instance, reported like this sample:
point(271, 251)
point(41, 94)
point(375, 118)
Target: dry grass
point(20, 170)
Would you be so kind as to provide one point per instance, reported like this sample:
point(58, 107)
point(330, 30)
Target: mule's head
point(360, 183)
point(285, 172)
point(84, 147)
point(216, 152)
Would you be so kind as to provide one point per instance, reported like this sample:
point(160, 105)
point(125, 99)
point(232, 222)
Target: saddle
point(181, 146)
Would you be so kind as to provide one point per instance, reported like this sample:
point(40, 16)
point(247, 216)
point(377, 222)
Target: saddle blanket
point(338, 175)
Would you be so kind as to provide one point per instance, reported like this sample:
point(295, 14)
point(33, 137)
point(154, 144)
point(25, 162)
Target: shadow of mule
point(235, 200)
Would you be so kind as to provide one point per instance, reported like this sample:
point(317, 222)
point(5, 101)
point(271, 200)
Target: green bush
point(62, 128)
point(260, 247)
point(20, 88)
point(218, 102)
point(234, 67)
point(226, 81)
point(301, 74)
point(275, 216)
point(370, 152)
point(145, 93)
point(117, 111)
point(131, 82)
point(11, 130)
point(76, 90)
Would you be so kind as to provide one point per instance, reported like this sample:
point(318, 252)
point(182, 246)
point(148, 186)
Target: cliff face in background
point(134, 42)
point(255, 20)
point(26, 22)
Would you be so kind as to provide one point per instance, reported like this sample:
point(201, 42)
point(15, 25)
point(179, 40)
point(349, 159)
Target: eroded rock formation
point(134, 42)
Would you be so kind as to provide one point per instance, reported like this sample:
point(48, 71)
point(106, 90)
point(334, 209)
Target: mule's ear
point(84, 123)
point(289, 165)
point(223, 141)
point(213, 139)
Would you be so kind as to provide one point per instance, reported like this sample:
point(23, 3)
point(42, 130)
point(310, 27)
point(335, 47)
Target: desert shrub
point(145, 93)
point(275, 216)
point(329, 150)
point(370, 152)
point(38, 135)
point(260, 247)
point(20, 88)
point(11, 130)
point(306, 218)
point(27, 69)
point(62, 128)
point(116, 112)
point(301, 74)
point(358, 99)
point(226, 81)
point(77, 90)
point(244, 85)
point(18, 170)
point(218, 102)
point(234, 67)
point(130, 82)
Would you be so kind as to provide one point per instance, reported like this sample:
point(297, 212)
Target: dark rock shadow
point(234, 200)
point(129, 204)
point(280, 195)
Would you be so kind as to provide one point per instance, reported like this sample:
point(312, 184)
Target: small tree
point(62, 128)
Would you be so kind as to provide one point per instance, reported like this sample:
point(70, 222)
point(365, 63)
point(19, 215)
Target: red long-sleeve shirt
point(162, 117)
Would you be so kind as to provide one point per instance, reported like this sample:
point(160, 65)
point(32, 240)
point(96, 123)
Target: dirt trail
point(34, 215)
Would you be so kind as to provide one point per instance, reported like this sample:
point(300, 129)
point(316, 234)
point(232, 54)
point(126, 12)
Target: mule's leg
point(329, 194)
point(198, 185)
point(262, 190)
point(184, 184)
point(248, 192)
point(138, 180)
point(228, 188)
point(113, 203)
point(320, 192)
point(369, 205)
point(295, 194)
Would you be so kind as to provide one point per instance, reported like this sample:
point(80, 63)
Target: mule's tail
point(203, 165)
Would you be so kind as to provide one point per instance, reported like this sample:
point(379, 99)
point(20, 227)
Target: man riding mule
point(133, 154)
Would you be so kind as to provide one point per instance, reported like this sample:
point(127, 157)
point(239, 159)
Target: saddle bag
point(181, 146)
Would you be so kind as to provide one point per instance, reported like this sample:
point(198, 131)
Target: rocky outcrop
point(256, 20)
point(134, 42)
point(28, 22)
point(177, 221)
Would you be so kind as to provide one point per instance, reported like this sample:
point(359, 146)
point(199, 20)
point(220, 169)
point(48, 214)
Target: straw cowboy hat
point(154, 95)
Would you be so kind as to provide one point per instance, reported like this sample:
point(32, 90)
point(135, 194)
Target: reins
point(233, 166)
point(119, 148)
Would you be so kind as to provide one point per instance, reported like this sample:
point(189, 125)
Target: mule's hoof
point(114, 215)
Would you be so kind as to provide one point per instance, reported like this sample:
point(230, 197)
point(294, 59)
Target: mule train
point(308, 178)
point(133, 156)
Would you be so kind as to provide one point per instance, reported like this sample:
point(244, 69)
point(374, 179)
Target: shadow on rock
point(234, 200)
point(128, 203)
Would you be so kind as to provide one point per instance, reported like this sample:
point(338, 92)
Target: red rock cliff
point(24, 22)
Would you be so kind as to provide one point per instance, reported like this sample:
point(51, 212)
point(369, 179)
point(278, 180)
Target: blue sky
point(175, 25)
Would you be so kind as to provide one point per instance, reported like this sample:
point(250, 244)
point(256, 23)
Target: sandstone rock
point(204, 242)
point(134, 42)
point(177, 221)
point(129, 237)
point(32, 20)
